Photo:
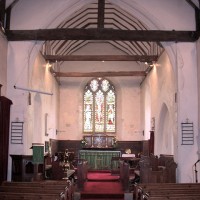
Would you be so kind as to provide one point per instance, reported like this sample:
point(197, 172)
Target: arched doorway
point(164, 137)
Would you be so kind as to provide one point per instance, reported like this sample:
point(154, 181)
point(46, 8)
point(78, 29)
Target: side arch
point(164, 137)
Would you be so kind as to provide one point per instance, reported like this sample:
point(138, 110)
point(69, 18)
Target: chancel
point(107, 95)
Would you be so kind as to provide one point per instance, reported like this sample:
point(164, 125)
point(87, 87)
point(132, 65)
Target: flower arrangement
point(83, 142)
point(128, 151)
point(114, 141)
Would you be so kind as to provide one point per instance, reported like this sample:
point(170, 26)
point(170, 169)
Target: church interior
point(99, 88)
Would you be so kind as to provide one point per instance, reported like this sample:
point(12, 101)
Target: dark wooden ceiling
point(107, 23)
point(102, 22)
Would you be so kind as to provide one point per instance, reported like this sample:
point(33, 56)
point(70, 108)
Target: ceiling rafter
point(85, 19)
point(104, 22)
point(101, 8)
point(100, 33)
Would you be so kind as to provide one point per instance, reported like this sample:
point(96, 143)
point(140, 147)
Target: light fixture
point(48, 64)
point(151, 63)
point(2, 28)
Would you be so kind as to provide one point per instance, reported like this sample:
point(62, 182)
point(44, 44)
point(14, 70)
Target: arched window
point(99, 106)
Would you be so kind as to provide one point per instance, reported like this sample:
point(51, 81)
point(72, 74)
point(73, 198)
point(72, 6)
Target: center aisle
point(102, 185)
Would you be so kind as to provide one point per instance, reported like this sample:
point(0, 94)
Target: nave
point(99, 185)
point(96, 185)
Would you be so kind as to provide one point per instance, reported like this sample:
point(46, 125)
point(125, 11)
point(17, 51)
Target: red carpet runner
point(102, 185)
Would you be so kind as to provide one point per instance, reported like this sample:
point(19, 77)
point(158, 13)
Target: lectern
point(38, 160)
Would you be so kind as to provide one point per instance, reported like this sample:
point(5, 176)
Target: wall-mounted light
point(2, 28)
point(48, 64)
point(151, 63)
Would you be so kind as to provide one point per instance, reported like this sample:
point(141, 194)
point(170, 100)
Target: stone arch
point(164, 137)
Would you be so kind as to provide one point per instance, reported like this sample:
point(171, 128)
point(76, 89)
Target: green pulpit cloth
point(38, 153)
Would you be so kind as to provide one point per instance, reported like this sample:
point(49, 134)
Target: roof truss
point(102, 34)
point(142, 58)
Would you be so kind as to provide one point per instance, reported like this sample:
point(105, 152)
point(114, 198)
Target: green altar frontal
point(99, 159)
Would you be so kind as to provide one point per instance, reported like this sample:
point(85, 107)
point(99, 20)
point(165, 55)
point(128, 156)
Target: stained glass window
point(99, 106)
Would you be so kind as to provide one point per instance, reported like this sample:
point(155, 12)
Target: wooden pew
point(174, 196)
point(20, 189)
point(28, 196)
point(158, 170)
point(126, 175)
point(36, 183)
point(37, 190)
point(82, 170)
point(68, 194)
point(146, 191)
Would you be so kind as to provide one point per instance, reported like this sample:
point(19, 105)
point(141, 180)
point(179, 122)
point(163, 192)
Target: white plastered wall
point(160, 17)
point(3, 65)
point(127, 90)
point(187, 108)
point(27, 70)
point(161, 86)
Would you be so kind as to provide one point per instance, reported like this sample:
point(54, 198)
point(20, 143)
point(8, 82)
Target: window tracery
point(99, 106)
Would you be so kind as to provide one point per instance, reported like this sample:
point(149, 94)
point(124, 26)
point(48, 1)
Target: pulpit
point(38, 160)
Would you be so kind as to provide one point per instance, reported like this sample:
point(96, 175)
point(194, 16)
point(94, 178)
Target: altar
point(99, 159)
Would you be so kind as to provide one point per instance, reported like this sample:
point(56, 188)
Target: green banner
point(38, 154)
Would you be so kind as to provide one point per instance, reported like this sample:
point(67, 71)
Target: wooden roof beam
point(141, 58)
point(2, 12)
point(97, 74)
point(102, 34)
